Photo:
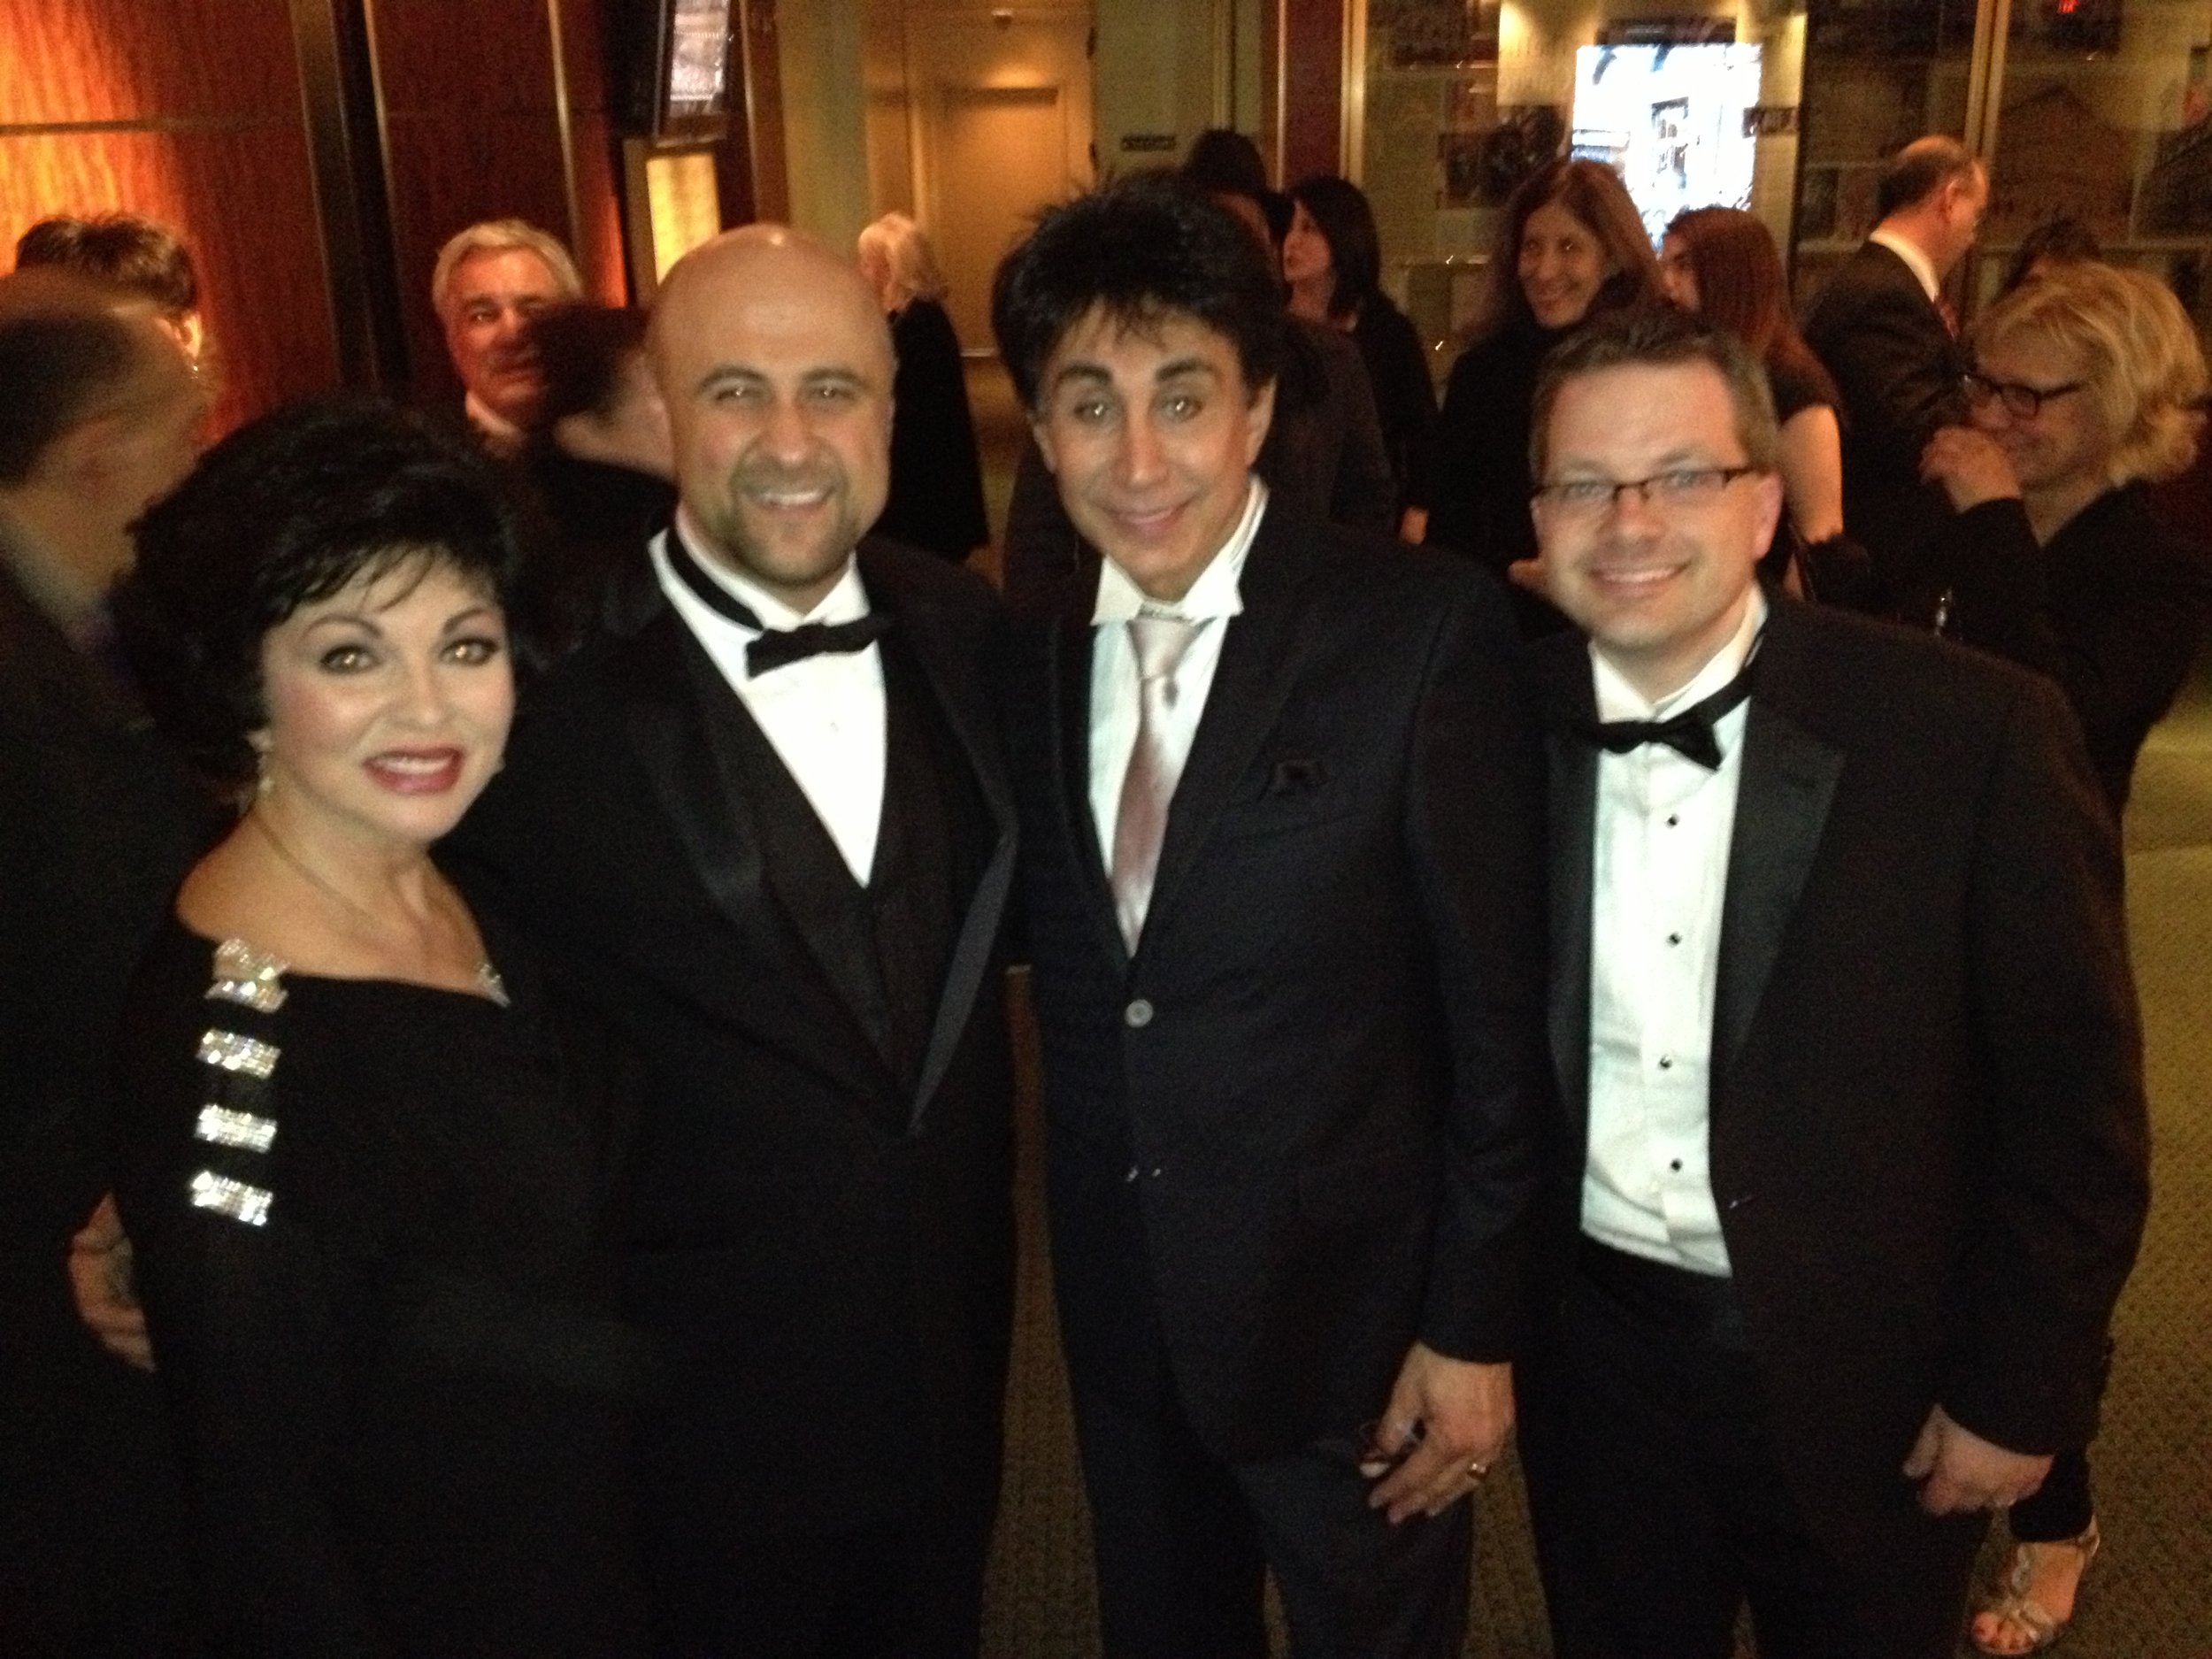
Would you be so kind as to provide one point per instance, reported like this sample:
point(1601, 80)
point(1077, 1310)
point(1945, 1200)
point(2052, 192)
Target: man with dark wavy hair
point(1279, 821)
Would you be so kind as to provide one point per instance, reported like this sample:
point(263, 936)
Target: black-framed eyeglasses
point(1678, 487)
point(2022, 403)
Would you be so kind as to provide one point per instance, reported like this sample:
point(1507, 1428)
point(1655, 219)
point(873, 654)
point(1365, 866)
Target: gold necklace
point(487, 979)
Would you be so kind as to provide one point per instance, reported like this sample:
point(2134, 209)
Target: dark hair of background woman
point(283, 513)
point(1347, 223)
point(1740, 287)
point(2063, 240)
point(1594, 195)
point(582, 349)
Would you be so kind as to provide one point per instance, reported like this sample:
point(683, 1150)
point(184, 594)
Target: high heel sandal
point(2022, 1625)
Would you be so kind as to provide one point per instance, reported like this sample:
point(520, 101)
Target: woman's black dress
point(368, 1220)
point(1405, 398)
point(936, 501)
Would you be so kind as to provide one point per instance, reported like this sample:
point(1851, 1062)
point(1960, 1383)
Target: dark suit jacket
point(2113, 609)
point(1293, 1134)
point(1927, 1119)
point(1897, 366)
point(826, 1259)
point(98, 824)
point(1324, 458)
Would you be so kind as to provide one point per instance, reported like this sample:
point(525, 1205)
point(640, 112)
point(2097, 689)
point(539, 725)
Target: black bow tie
point(1689, 733)
point(776, 648)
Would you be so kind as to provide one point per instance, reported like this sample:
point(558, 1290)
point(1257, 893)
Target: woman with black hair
point(363, 1161)
point(1332, 265)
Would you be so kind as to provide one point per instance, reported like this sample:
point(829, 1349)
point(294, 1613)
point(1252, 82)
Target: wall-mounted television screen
point(1671, 119)
point(679, 53)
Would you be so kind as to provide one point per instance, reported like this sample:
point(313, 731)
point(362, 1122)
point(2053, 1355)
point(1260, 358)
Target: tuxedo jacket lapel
point(1566, 695)
point(1071, 645)
point(1782, 801)
point(1252, 679)
point(963, 696)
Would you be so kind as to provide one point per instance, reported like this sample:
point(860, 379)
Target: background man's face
point(1150, 432)
point(777, 368)
point(489, 301)
point(1659, 588)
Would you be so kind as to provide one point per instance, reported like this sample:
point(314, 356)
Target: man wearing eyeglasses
point(1846, 1050)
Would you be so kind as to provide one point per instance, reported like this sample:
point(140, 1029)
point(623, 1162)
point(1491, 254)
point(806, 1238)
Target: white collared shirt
point(824, 715)
point(1214, 598)
point(1659, 874)
point(1918, 262)
point(500, 433)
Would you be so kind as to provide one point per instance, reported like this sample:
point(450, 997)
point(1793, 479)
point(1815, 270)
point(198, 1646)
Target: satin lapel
point(662, 713)
point(1070, 673)
point(961, 694)
point(1250, 683)
point(1782, 802)
point(1563, 676)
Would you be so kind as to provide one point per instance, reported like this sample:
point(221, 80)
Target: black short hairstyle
point(1918, 171)
point(1143, 247)
point(1340, 209)
point(581, 350)
point(59, 368)
point(1660, 337)
point(283, 512)
point(130, 252)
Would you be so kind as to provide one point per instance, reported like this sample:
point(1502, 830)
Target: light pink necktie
point(1140, 821)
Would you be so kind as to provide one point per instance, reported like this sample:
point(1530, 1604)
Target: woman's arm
point(1812, 472)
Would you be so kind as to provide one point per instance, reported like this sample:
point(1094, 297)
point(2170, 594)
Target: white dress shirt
point(1212, 600)
point(1659, 875)
point(1918, 262)
point(825, 714)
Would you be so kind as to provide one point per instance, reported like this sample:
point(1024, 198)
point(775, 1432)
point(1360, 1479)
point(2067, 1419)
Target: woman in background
point(2086, 387)
point(363, 1160)
point(1569, 246)
point(1722, 263)
point(1332, 265)
point(936, 501)
point(601, 456)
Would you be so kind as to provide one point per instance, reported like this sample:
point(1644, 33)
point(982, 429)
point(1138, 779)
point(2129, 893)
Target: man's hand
point(100, 1280)
point(1959, 1471)
point(1529, 574)
point(1454, 1415)
point(1970, 466)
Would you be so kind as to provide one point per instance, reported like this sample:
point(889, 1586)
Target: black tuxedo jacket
point(1293, 1132)
point(825, 1258)
point(1927, 1120)
point(1897, 368)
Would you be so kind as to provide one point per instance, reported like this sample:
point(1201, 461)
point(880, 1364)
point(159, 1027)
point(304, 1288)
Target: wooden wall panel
point(132, 60)
point(1313, 88)
point(199, 111)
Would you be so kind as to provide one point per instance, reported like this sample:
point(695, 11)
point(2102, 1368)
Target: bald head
point(775, 361)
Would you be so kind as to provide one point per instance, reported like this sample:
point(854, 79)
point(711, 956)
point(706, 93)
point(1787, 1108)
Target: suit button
point(1137, 1015)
